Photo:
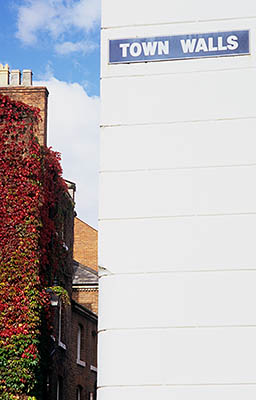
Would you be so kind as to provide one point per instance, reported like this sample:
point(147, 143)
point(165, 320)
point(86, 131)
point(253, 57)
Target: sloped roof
point(84, 275)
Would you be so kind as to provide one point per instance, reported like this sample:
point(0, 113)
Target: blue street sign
point(179, 47)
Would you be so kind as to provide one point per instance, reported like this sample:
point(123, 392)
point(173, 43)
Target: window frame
point(80, 339)
point(79, 392)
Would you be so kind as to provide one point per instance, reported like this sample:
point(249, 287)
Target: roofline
point(66, 180)
point(87, 224)
point(84, 311)
point(89, 269)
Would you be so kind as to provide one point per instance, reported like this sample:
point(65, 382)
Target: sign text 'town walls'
point(179, 47)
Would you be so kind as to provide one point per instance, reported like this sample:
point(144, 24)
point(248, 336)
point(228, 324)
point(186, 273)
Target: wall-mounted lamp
point(54, 299)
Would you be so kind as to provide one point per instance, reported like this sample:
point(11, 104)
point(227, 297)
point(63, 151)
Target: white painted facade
point(177, 218)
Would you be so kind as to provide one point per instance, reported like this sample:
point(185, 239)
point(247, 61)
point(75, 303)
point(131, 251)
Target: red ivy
point(31, 188)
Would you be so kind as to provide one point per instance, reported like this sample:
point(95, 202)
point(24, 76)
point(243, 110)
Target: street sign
point(177, 47)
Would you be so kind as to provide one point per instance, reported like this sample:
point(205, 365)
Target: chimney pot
point(27, 77)
point(4, 75)
point(15, 77)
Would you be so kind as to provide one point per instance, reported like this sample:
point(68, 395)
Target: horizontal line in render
point(179, 385)
point(200, 71)
point(108, 274)
point(178, 216)
point(188, 21)
point(159, 328)
point(180, 271)
point(195, 121)
point(109, 171)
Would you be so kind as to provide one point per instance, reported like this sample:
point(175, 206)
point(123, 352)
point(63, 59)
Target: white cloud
point(48, 72)
point(55, 17)
point(73, 130)
point(86, 13)
point(71, 47)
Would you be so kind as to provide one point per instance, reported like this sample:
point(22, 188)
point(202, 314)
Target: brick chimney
point(23, 90)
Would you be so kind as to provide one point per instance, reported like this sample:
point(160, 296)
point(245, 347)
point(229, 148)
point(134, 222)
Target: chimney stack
point(4, 75)
point(15, 77)
point(21, 89)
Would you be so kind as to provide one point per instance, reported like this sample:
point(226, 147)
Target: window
point(80, 343)
point(79, 336)
point(79, 393)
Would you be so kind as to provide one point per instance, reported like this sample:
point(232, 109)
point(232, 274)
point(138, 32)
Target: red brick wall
point(81, 376)
point(35, 96)
point(85, 244)
point(60, 360)
point(64, 361)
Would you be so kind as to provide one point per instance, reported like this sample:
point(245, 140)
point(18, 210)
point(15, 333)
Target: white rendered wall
point(177, 224)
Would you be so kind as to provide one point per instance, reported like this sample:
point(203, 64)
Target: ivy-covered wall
point(35, 212)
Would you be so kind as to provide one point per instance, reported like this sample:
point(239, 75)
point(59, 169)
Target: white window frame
point(79, 338)
point(78, 392)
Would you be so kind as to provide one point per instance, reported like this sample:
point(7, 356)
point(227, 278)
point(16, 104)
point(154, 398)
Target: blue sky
point(59, 41)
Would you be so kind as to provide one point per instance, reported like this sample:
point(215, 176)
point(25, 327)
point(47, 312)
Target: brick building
point(83, 379)
point(69, 363)
point(85, 283)
point(85, 286)
point(73, 370)
point(85, 244)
